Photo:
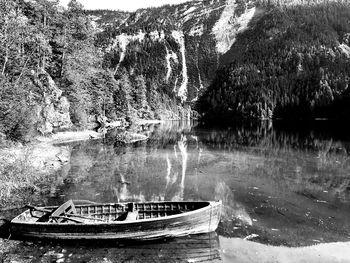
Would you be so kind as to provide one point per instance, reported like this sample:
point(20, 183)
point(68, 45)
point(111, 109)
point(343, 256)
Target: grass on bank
point(18, 179)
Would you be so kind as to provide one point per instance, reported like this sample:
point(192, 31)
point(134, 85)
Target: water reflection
point(279, 185)
point(198, 248)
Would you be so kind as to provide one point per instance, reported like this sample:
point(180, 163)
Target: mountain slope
point(174, 48)
point(224, 58)
point(244, 59)
point(294, 63)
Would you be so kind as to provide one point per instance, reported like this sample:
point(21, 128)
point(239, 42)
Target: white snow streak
point(188, 14)
point(345, 49)
point(174, 90)
point(303, 2)
point(170, 55)
point(197, 30)
point(199, 79)
point(228, 27)
point(190, 10)
point(179, 37)
point(123, 41)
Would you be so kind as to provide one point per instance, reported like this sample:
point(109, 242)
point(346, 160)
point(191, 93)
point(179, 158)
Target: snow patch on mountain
point(302, 2)
point(345, 49)
point(229, 26)
point(170, 55)
point(180, 39)
point(189, 14)
point(156, 35)
point(175, 84)
point(190, 10)
point(196, 30)
point(201, 86)
point(123, 40)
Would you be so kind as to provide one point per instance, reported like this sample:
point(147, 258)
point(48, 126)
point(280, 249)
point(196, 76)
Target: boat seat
point(129, 215)
point(68, 208)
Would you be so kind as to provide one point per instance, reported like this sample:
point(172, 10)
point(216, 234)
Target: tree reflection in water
point(286, 184)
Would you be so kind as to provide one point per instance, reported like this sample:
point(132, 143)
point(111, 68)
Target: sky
point(126, 5)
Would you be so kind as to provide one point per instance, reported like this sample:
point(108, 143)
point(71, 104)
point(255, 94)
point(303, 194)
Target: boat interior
point(69, 212)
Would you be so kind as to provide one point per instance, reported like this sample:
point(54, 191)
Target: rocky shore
point(24, 167)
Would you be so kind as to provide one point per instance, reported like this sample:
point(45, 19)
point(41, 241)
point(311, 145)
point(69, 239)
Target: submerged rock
point(130, 137)
point(4, 228)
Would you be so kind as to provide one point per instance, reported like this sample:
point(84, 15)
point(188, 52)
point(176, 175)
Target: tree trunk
point(4, 66)
point(62, 63)
point(45, 20)
point(7, 50)
point(24, 66)
point(64, 52)
point(43, 62)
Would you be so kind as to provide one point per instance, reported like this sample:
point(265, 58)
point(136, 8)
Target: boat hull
point(203, 220)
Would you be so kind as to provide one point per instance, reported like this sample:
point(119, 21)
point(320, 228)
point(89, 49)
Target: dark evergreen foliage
point(290, 65)
point(40, 38)
point(292, 62)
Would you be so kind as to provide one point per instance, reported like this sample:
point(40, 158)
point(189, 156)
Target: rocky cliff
point(224, 58)
point(53, 112)
point(175, 49)
point(234, 58)
point(292, 63)
point(37, 109)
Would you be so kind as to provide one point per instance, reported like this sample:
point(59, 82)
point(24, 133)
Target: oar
point(66, 218)
point(86, 202)
point(65, 215)
point(84, 217)
point(38, 209)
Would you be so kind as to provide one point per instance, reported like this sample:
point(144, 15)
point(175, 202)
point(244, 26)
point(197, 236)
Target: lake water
point(280, 183)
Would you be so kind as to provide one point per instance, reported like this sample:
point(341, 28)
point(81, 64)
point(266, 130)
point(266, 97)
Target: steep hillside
point(224, 58)
point(150, 64)
point(175, 49)
point(244, 59)
point(51, 74)
point(293, 63)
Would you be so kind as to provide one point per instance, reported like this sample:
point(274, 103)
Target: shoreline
point(69, 136)
point(240, 250)
point(84, 135)
point(145, 122)
point(230, 250)
point(24, 167)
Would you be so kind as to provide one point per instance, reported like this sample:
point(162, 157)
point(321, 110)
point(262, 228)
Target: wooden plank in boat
point(68, 208)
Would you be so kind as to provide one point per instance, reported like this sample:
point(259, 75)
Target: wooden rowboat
point(123, 221)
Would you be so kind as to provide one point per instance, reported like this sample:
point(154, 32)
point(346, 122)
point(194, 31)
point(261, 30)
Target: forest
point(40, 43)
point(292, 64)
point(55, 73)
point(62, 68)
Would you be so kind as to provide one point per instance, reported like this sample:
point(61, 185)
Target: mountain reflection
point(264, 173)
